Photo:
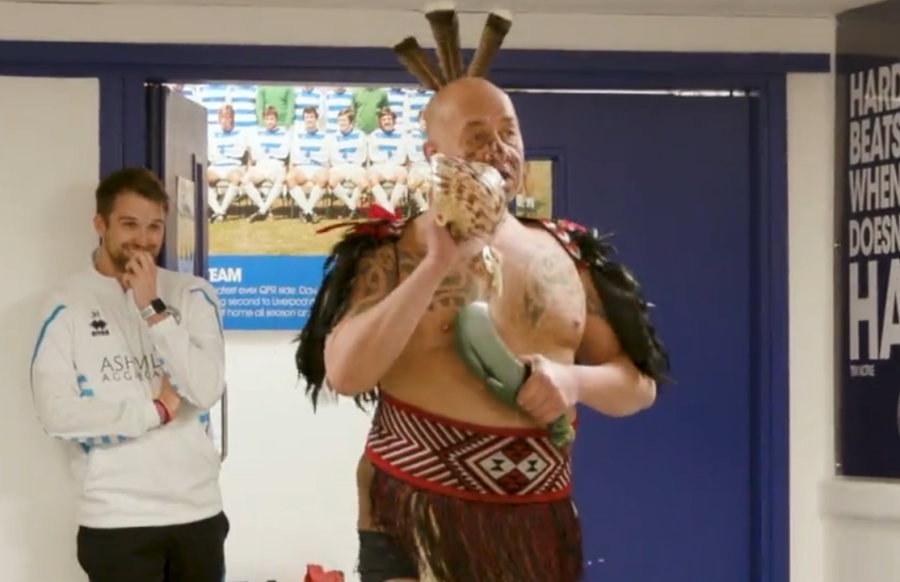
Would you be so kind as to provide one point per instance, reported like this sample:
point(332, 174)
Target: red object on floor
point(316, 573)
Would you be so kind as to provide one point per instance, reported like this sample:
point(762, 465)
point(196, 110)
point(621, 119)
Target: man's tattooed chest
point(456, 290)
point(551, 287)
point(459, 287)
point(536, 288)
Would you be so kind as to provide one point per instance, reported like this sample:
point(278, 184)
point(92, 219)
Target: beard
point(119, 259)
point(122, 255)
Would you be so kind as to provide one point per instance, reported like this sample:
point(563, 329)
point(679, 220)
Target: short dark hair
point(348, 113)
point(141, 181)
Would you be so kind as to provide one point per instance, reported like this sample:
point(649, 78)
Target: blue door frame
point(123, 70)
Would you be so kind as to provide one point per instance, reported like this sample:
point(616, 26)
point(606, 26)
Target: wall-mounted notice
point(869, 312)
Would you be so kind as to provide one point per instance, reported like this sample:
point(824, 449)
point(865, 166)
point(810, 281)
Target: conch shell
point(469, 198)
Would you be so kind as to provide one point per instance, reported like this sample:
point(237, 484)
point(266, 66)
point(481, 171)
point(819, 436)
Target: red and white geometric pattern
point(562, 230)
point(503, 466)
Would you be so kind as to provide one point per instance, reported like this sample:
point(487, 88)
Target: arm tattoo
point(457, 288)
point(407, 261)
point(378, 276)
point(375, 278)
point(551, 281)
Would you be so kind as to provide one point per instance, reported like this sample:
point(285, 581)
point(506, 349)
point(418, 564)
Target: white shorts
point(309, 171)
point(222, 172)
point(388, 171)
point(269, 169)
point(349, 172)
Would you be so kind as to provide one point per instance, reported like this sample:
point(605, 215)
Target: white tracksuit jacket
point(95, 369)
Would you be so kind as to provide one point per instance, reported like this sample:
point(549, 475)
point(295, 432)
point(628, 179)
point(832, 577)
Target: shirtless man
point(455, 485)
point(398, 331)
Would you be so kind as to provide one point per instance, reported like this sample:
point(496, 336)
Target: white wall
point(862, 537)
point(278, 473)
point(290, 478)
point(46, 188)
point(292, 26)
point(810, 213)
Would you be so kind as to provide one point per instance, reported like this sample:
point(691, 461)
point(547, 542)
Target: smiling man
point(128, 362)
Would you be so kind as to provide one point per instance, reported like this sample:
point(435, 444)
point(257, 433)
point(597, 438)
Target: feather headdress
point(444, 24)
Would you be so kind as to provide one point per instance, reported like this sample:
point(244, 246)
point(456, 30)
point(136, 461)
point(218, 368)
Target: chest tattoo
point(551, 283)
point(457, 289)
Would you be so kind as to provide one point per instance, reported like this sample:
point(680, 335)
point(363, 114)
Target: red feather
point(337, 225)
point(379, 219)
point(380, 213)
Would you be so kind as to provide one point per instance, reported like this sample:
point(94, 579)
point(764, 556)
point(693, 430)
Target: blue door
point(176, 151)
point(667, 494)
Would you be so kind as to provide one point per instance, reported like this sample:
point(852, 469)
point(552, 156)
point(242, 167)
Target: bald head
point(462, 95)
point(465, 100)
point(474, 119)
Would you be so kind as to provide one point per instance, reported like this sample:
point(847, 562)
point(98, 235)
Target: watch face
point(158, 305)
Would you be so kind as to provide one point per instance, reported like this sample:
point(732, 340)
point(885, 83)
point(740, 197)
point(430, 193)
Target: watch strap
point(156, 306)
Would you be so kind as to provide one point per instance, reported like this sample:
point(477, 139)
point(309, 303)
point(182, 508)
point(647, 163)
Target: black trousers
point(380, 558)
point(190, 552)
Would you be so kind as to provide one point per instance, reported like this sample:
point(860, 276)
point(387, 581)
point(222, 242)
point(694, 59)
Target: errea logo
point(99, 327)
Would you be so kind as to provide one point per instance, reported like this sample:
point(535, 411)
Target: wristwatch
point(156, 307)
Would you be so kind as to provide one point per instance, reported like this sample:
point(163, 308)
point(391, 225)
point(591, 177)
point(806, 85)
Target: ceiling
point(807, 8)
